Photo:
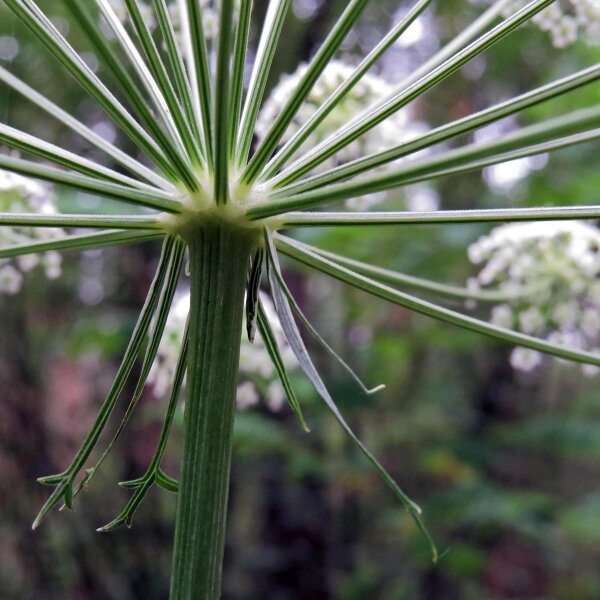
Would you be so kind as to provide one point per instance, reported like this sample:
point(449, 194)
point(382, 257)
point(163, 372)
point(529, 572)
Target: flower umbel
point(209, 177)
point(551, 272)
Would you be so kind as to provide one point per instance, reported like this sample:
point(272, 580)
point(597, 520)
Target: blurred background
point(505, 465)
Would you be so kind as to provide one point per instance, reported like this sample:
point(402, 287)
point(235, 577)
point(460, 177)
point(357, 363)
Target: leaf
point(162, 314)
point(166, 482)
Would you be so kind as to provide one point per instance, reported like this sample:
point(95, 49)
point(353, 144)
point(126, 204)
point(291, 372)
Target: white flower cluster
point(550, 271)
point(369, 90)
point(565, 20)
point(258, 378)
point(21, 195)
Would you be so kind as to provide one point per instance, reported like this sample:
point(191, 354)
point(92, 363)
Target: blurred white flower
point(524, 359)
point(370, 90)
point(564, 20)
point(122, 13)
point(550, 272)
point(258, 377)
point(21, 195)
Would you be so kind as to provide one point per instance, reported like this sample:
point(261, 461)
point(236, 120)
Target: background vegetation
point(506, 466)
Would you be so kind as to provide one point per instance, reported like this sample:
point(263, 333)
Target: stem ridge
point(219, 258)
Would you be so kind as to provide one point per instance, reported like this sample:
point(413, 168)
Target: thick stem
point(219, 260)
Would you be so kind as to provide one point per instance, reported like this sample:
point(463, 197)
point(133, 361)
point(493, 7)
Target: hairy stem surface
point(219, 260)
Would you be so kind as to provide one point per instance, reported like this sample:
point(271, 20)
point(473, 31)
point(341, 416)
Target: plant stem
point(219, 261)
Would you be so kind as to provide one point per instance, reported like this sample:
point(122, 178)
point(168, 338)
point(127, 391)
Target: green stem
point(219, 261)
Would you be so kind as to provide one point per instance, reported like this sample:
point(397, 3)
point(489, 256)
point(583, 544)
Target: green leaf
point(252, 293)
point(297, 345)
point(296, 308)
point(166, 482)
point(162, 314)
point(154, 474)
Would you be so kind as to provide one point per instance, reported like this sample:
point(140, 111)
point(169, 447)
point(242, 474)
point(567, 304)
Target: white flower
point(564, 20)
point(367, 91)
point(20, 194)
point(246, 395)
point(550, 272)
point(10, 279)
point(370, 90)
point(523, 359)
point(503, 316)
point(256, 369)
point(531, 320)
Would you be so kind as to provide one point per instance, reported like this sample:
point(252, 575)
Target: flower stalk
point(219, 259)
